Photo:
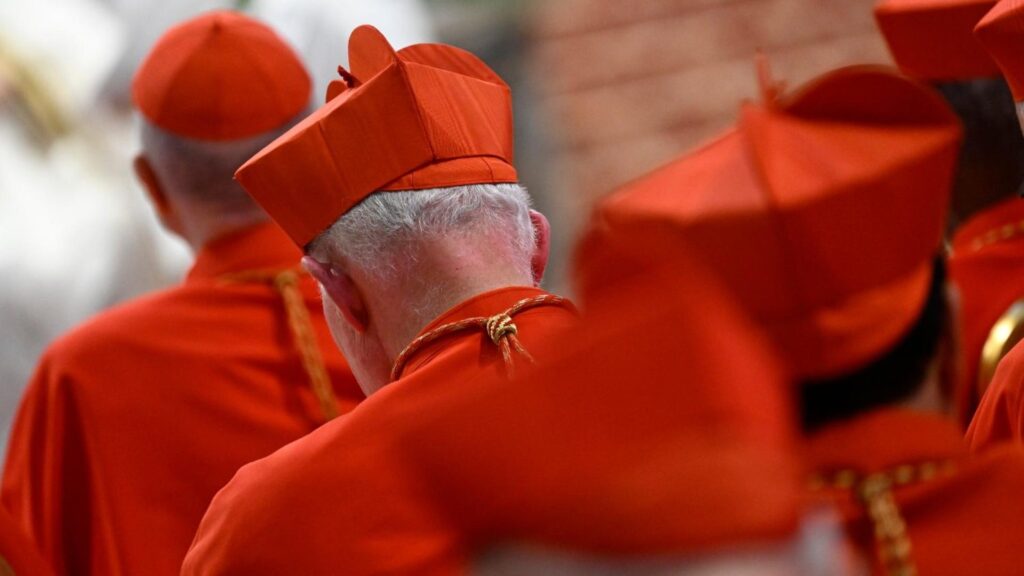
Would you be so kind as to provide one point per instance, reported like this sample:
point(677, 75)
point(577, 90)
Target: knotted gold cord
point(875, 493)
point(499, 328)
point(286, 282)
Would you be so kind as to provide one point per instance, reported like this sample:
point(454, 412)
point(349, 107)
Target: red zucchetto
point(181, 87)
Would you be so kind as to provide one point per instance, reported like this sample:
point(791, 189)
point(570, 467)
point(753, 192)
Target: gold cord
point(875, 493)
point(286, 282)
point(500, 328)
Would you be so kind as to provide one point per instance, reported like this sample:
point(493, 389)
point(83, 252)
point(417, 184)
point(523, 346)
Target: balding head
point(192, 181)
point(198, 171)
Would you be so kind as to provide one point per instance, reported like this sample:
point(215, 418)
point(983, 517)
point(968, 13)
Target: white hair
point(382, 234)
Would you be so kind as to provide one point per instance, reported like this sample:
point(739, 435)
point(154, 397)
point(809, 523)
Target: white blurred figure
point(144, 22)
point(319, 29)
point(75, 237)
point(818, 549)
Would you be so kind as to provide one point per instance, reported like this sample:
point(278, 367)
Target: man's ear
point(542, 245)
point(951, 349)
point(341, 290)
point(147, 176)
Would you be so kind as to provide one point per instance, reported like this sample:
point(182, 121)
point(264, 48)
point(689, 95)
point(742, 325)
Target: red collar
point(993, 225)
point(486, 304)
point(260, 247)
point(885, 439)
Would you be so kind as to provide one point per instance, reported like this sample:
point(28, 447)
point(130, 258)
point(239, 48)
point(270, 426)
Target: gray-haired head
point(386, 233)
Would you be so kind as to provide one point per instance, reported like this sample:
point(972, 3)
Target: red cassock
point(133, 421)
point(987, 265)
point(653, 431)
point(18, 556)
point(342, 500)
point(961, 512)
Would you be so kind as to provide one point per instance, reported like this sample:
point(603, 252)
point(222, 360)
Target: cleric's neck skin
point(936, 393)
point(198, 204)
point(198, 231)
point(446, 274)
point(930, 397)
point(372, 327)
point(374, 319)
point(197, 222)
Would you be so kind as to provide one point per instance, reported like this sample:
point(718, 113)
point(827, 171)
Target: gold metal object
point(39, 108)
point(1003, 336)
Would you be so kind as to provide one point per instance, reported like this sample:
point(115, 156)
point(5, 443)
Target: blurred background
point(604, 91)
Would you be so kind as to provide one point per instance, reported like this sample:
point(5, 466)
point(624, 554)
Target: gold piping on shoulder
point(997, 235)
point(875, 492)
point(5, 568)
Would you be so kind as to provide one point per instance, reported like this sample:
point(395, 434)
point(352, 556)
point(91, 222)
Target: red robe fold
point(134, 420)
point(987, 265)
point(963, 522)
point(343, 500)
point(18, 555)
point(1000, 416)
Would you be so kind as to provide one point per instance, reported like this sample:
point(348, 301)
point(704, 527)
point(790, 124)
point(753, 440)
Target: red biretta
point(934, 41)
point(433, 120)
point(998, 245)
point(135, 419)
point(822, 210)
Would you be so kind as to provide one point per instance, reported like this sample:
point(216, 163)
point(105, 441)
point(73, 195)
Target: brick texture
point(628, 85)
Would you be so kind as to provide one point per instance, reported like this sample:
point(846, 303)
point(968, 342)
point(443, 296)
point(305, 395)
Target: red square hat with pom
point(426, 116)
point(822, 210)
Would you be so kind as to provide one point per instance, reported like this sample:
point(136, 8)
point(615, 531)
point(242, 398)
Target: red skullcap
point(220, 76)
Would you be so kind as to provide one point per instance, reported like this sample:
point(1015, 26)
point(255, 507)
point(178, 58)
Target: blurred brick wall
point(626, 85)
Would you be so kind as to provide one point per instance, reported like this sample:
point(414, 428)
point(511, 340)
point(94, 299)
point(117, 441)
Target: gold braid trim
point(996, 235)
point(286, 282)
point(875, 492)
point(5, 568)
point(499, 328)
